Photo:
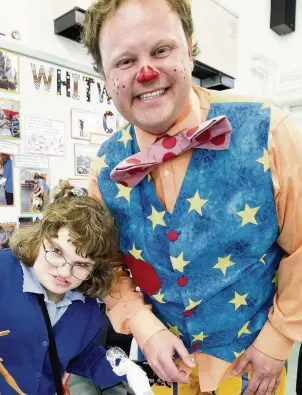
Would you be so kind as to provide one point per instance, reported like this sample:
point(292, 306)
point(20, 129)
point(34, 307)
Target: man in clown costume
point(205, 188)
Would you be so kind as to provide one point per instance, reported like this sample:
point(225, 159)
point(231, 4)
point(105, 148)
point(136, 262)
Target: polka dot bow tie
point(213, 134)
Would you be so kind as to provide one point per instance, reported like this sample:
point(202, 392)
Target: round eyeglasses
point(77, 269)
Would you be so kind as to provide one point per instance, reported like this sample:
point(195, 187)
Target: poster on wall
point(83, 123)
point(83, 155)
point(9, 71)
point(34, 162)
point(8, 147)
point(45, 136)
point(6, 180)
point(9, 119)
point(6, 229)
point(34, 190)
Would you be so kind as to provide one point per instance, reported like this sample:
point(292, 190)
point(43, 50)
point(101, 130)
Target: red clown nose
point(147, 74)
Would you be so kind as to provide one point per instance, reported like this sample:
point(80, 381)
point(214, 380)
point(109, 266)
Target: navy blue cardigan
point(25, 349)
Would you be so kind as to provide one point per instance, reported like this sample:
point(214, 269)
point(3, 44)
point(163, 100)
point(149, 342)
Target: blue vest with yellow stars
point(208, 268)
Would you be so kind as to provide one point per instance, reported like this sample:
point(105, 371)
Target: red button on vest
point(172, 235)
point(187, 313)
point(182, 281)
point(196, 346)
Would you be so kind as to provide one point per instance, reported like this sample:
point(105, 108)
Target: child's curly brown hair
point(92, 232)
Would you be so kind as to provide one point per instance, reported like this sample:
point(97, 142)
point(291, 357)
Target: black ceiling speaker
point(283, 16)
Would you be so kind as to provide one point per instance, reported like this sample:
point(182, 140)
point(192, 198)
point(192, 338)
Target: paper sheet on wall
point(31, 162)
point(45, 136)
point(9, 148)
point(96, 138)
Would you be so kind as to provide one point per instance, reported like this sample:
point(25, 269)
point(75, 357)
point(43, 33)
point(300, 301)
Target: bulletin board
point(52, 122)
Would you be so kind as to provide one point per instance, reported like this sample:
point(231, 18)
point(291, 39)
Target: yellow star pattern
point(149, 177)
point(266, 105)
point(239, 300)
point(264, 160)
point(275, 280)
point(199, 337)
point(125, 136)
point(244, 329)
point(99, 164)
point(196, 203)
point(175, 330)
point(248, 215)
point(238, 354)
point(123, 192)
point(157, 218)
point(179, 263)
point(136, 253)
point(262, 259)
point(192, 304)
point(159, 297)
point(224, 263)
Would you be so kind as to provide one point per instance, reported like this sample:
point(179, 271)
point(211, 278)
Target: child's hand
point(4, 333)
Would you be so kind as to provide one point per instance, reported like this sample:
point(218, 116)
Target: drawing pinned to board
point(34, 190)
point(9, 119)
point(83, 123)
point(9, 71)
point(6, 180)
point(107, 129)
point(83, 155)
point(6, 229)
point(42, 74)
point(45, 136)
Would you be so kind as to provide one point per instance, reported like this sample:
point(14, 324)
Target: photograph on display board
point(34, 190)
point(83, 123)
point(83, 156)
point(9, 71)
point(6, 229)
point(28, 221)
point(9, 119)
point(6, 180)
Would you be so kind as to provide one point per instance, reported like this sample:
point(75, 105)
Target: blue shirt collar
point(31, 284)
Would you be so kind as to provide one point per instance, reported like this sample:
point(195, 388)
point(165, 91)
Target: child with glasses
point(67, 258)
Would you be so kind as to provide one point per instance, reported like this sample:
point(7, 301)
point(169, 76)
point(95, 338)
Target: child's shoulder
point(8, 260)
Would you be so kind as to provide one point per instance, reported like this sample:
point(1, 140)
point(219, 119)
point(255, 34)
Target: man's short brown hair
point(100, 10)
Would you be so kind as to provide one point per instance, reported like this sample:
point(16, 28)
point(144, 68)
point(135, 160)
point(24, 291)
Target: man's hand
point(159, 351)
point(266, 372)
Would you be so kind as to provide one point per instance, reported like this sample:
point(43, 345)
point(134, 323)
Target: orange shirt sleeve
point(125, 306)
point(284, 325)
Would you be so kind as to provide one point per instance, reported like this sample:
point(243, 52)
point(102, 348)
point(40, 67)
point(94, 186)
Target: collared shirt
point(126, 308)
point(55, 310)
